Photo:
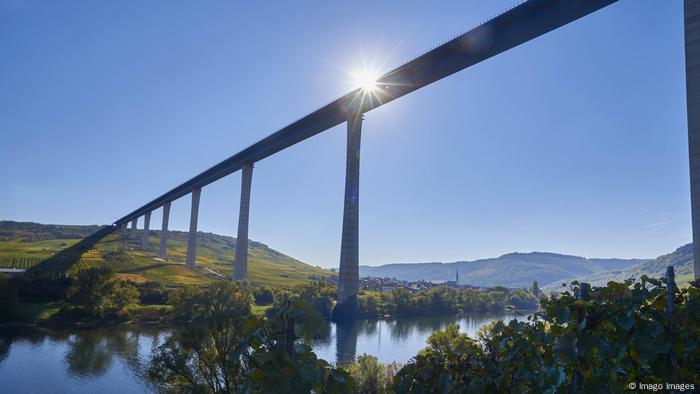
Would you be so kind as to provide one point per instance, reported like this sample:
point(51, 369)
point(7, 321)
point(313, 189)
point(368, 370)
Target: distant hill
point(681, 260)
point(25, 244)
point(510, 270)
point(33, 232)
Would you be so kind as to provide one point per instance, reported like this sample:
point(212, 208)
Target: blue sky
point(574, 143)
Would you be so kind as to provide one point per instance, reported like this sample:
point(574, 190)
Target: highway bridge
point(515, 26)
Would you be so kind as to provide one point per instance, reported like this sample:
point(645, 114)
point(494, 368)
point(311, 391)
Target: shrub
point(450, 363)
point(123, 294)
point(220, 300)
point(185, 302)
point(116, 256)
point(8, 298)
point(37, 285)
point(96, 291)
point(316, 296)
point(152, 293)
point(369, 375)
point(624, 333)
point(369, 305)
point(263, 296)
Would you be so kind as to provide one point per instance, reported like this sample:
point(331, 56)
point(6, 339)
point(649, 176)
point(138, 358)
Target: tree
point(369, 306)
point(369, 375)
point(96, 291)
point(122, 295)
point(220, 300)
point(185, 302)
point(8, 298)
point(230, 353)
point(522, 299)
point(152, 293)
point(202, 359)
point(449, 364)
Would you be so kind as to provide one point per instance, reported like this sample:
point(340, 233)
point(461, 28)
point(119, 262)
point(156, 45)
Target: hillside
point(510, 270)
point(681, 259)
point(24, 245)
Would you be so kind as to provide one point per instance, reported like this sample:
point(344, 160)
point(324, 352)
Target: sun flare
point(365, 79)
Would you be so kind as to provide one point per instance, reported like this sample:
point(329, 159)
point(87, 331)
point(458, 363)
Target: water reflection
point(115, 359)
point(346, 334)
point(92, 352)
point(112, 359)
point(5, 346)
point(393, 339)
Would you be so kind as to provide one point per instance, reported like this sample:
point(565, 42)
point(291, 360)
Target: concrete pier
point(132, 234)
point(124, 233)
point(192, 240)
point(348, 280)
point(692, 83)
point(146, 229)
point(240, 265)
point(163, 251)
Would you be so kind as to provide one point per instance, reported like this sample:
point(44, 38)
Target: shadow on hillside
point(149, 267)
point(63, 260)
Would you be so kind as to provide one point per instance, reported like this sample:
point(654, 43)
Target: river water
point(112, 359)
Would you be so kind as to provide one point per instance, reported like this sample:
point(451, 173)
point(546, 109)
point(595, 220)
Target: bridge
point(518, 25)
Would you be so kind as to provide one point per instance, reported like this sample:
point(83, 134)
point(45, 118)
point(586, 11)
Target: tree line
point(443, 300)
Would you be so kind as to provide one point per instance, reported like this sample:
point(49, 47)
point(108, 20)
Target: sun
point(365, 79)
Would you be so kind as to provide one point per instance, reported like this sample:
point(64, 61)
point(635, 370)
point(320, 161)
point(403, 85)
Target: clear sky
point(574, 143)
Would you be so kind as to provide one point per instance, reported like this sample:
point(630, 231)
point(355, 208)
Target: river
point(112, 359)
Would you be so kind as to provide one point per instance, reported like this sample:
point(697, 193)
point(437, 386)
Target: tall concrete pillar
point(192, 240)
point(692, 85)
point(132, 234)
point(163, 251)
point(146, 229)
point(348, 280)
point(124, 234)
point(240, 266)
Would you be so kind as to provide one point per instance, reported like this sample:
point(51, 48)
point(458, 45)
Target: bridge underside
point(523, 23)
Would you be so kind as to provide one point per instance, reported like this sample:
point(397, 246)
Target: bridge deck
point(518, 25)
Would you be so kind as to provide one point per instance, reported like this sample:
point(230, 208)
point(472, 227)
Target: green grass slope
point(27, 245)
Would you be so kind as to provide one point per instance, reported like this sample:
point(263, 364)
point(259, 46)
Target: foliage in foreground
point(371, 376)
point(231, 353)
point(623, 334)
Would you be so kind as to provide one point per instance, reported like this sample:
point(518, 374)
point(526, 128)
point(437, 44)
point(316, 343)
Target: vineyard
point(84, 263)
point(21, 262)
point(88, 260)
point(42, 247)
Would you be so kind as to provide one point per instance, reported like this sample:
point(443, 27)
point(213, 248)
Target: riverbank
point(61, 315)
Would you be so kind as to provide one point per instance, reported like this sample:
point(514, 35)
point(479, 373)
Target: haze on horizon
point(574, 143)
